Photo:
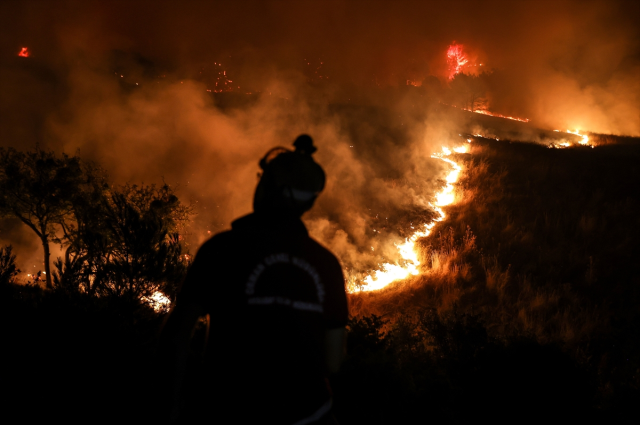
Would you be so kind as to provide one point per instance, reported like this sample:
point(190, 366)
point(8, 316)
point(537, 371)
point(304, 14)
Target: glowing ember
point(24, 52)
point(456, 59)
point(392, 272)
point(158, 301)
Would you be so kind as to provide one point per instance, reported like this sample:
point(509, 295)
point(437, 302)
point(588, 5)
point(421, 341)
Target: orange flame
point(24, 53)
point(585, 138)
point(583, 142)
point(493, 114)
point(391, 272)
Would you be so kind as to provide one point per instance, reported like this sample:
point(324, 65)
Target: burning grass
point(525, 303)
point(541, 246)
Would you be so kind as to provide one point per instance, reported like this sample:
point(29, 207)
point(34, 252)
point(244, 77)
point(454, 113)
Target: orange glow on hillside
point(493, 114)
point(24, 53)
point(585, 138)
point(583, 142)
point(392, 271)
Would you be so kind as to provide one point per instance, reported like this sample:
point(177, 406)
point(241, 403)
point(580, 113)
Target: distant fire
point(456, 59)
point(493, 114)
point(583, 142)
point(585, 138)
point(24, 53)
point(392, 272)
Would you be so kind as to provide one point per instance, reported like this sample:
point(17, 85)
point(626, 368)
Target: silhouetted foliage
point(128, 246)
point(533, 280)
point(42, 189)
point(8, 269)
point(446, 369)
point(526, 310)
point(469, 92)
point(366, 335)
point(75, 358)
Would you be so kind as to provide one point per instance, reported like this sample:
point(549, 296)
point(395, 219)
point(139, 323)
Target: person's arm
point(174, 349)
point(335, 342)
point(336, 315)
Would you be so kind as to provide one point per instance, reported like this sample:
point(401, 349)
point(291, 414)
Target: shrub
point(8, 269)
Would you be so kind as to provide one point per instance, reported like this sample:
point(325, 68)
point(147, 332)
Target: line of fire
point(467, 179)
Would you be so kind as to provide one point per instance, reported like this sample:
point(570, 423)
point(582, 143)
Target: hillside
point(530, 283)
point(525, 308)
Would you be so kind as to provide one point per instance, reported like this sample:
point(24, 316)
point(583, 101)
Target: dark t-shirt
point(271, 292)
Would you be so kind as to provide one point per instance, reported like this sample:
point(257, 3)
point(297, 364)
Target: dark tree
point(469, 92)
point(127, 245)
point(8, 269)
point(42, 189)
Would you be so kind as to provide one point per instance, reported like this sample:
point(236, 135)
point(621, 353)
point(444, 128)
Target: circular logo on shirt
point(285, 280)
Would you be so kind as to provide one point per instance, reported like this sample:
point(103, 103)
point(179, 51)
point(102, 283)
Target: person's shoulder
point(217, 242)
point(323, 253)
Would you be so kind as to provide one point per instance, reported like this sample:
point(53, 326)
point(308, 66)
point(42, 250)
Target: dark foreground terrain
point(526, 312)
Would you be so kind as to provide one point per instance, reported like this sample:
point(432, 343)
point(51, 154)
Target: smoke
point(177, 132)
point(563, 65)
point(173, 131)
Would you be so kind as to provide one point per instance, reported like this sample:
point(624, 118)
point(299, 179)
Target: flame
point(585, 138)
point(158, 301)
point(456, 59)
point(392, 272)
point(493, 114)
point(583, 142)
point(24, 53)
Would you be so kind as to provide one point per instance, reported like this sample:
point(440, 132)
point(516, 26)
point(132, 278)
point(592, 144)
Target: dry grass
point(537, 261)
point(525, 248)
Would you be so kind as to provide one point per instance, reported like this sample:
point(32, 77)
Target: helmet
point(291, 180)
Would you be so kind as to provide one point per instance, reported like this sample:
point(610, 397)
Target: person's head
point(290, 180)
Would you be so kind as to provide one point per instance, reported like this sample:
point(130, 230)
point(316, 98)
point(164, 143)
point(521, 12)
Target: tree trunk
point(47, 268)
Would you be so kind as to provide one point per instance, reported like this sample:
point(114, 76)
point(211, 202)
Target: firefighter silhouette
point(273, 303)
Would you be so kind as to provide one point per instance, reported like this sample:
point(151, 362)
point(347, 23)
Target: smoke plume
point(126, 84)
